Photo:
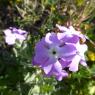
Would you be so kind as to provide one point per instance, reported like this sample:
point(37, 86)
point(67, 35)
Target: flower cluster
point(58, 53)
point(12, 34)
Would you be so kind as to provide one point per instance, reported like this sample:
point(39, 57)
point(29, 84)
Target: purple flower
point(79, 57)
point(69, 35)
point(48, 53)
point(58, 53)
point(12, 34)
point(58, 75)
point(72, 33)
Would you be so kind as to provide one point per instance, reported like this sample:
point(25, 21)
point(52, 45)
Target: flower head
point(12, 34)
point(58, 53)
point(48, 53)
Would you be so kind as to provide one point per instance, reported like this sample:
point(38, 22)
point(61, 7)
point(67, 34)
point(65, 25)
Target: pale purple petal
point(64, 63)
point(68, 50)
point(71, 31)
point(41, 59)
point(74, 64)
point(7, 32)
point(22, 32)
point(62, 28)
point(51, 38)
point(49, 61)
point(60, 76)
point(47, 69)
point(14, 30)
point(82, 62)
point(68, 58)
point(57, 66)
point(71, 39)
point(68, 38)
point(10, 40)
point(78, 33)
point(20, 37)
point(82, 48)
point(41, 52)
point(41, 46)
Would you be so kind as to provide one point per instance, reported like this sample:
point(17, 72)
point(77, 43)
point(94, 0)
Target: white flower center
point(54, 52)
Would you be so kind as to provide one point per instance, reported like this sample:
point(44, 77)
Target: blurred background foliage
point(17, 75)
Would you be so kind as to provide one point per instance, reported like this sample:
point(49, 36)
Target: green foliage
point(17, 74)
